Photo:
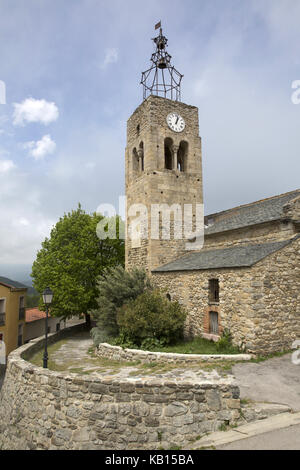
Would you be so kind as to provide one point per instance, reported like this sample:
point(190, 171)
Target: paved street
point(276, 380)
point(281, 439)
point(278, 432)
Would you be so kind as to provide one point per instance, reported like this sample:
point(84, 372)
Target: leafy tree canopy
point(71, 260)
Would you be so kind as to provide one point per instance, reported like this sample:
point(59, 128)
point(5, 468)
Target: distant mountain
point(31, 290)
point(17, 272)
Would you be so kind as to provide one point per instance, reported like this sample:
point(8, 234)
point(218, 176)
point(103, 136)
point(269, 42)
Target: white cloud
point(32, 110)
point(111, 57)
point(23, 222)
point(38, 150)
point(6, 166)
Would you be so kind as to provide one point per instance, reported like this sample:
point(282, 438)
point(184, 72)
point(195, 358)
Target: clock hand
point(177, 120)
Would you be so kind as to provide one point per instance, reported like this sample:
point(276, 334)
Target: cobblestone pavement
point(276, 380)
point(74, 356)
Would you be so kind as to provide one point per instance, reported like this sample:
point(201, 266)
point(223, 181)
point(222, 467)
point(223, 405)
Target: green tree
point(32, 300)
point(71, 260)
point(116, 287)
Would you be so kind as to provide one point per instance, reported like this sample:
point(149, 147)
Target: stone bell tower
point(163, 166)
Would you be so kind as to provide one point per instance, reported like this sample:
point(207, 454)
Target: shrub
point(123, 341)
point(224, 345)
point(151, 317)
point(152, 343)
point(115, 287)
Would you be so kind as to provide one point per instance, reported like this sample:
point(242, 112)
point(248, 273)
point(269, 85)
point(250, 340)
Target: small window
point(2, 305)
point(138, 130)
point(214, 290)
point(2, 311)
point(168, 297)
point(58, 327)
point(213, 323)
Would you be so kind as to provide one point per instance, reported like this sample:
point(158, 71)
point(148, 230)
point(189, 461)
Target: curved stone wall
point(124, 354)
point(43, 409)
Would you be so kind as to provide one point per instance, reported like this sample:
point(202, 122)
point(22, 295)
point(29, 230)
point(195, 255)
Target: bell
point(161, 45)
point(162, 64)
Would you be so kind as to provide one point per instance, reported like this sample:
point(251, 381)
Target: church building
point(245, 276)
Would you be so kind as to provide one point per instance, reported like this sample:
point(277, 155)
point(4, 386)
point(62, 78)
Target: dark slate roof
point(235, 257)
point(10, 283)
point(266, 210)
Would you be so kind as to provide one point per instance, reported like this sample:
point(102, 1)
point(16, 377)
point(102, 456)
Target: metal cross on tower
point(162, 78)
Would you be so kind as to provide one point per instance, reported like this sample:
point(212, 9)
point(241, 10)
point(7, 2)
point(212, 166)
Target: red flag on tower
point(158, 25)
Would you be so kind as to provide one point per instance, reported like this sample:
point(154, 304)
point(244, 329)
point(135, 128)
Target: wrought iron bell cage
point(161, 78)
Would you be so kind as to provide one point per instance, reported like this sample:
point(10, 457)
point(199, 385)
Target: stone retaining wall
point(120, 354)
point(43, 409)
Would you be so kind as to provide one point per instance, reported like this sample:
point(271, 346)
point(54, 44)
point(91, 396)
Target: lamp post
point(47, 299)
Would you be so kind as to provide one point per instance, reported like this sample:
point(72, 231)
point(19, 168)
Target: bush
point(116, 287)
point(224, 345)
point(151, 318)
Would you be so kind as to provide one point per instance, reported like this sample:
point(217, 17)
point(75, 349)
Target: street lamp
point(47, 299)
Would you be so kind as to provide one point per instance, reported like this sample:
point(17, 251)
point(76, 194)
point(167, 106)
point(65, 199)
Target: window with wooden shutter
point(214, 290)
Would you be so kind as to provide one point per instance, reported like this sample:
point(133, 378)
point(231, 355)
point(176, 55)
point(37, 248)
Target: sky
point(71, 70)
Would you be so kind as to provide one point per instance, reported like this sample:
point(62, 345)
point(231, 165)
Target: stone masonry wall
point(43, 409)
point(262, 233)
point(146, 357)
point(260, 305)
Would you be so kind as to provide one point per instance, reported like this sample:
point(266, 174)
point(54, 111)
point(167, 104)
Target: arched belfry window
point(168, 154)
point(141, 156)
point(182, 156)
point(135, 160)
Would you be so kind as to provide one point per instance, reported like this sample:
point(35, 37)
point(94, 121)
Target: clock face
point(175, 122)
